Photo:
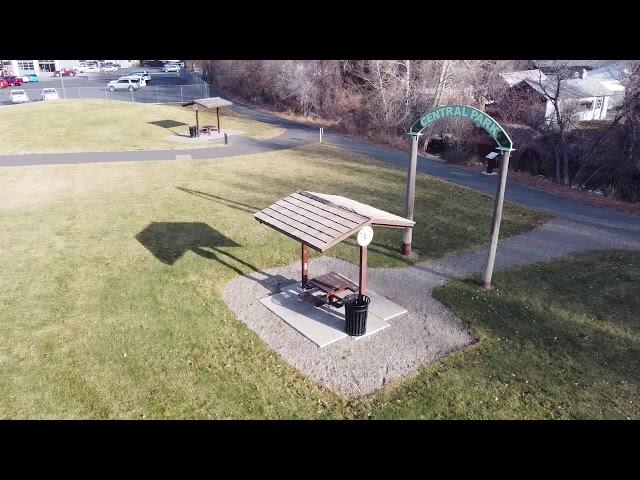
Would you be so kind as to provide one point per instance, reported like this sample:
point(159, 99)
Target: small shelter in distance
point(208, 103)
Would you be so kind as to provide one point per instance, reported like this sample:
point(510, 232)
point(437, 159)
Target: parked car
point(65, 72)
point(139, 78)
point(171, 68)
point(88, 69)
point(49, 94)
point(130, 84)
point(13, 80)
point(144, 74)
point(109, 68)
point(30, 78)
point(3, 83)
point(18, 96)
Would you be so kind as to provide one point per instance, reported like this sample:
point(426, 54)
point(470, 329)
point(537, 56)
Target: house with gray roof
point(587, 97)
point(569, 68)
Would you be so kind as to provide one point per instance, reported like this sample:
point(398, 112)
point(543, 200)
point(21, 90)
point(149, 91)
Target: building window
point(47, 65)
point(26, 66)
point(599, 102)
point(586, 106)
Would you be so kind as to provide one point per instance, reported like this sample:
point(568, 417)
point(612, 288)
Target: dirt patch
point(30, 187)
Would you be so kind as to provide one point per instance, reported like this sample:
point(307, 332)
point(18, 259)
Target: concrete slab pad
point(322, 325)
point(379, 305)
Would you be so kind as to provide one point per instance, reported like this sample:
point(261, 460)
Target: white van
point(18, 96)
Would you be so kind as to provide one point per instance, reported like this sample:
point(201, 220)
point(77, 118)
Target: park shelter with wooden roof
point(208, 103)
point(321, 221)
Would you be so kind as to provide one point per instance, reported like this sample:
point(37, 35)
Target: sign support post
point(497, 217)
point(364, 238)
point(505, 145)
point(410, 193)
point(305, 265)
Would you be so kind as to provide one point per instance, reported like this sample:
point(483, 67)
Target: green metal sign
point(478, 117)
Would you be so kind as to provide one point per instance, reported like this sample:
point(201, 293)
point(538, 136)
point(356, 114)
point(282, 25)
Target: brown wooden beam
point(218, 115)
point(197, 124)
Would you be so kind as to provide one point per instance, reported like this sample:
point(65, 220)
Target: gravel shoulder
point(427, 333)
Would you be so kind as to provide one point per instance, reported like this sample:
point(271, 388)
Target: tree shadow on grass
point(221, 200)
point(556, 327)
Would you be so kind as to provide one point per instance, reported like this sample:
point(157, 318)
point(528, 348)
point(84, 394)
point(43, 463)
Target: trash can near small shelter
point(356, 309)
point(492, 161)
point(193, 132)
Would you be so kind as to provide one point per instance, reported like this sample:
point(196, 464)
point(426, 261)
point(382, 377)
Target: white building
point(587, 96)
point(45, 68)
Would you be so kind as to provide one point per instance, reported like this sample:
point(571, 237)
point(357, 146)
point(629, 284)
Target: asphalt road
point(163, 87)
point(297, 134)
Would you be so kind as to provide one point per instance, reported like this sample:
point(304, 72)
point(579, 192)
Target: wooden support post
point(218, 115)
point(497, 217)
point(197, 124)
point(410, 193)
point(305, 266)
point(362, 280)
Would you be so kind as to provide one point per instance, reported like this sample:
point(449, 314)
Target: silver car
point(49, 94)
point(142, 73)
point(138, 77)
point(130, 84)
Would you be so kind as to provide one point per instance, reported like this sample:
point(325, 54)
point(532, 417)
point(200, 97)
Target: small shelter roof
point(322, 221)
point(378, 217)
point(210, 102)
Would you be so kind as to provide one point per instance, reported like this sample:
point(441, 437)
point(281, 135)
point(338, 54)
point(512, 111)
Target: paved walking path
point(425, 334)
point(297, 134)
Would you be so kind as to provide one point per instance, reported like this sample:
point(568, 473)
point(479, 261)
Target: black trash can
point(491, 164)
point(356, 308)
point(193, 132)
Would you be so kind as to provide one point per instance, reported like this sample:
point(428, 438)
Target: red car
point(13, 80)
point(65, 72)
point(3, 83)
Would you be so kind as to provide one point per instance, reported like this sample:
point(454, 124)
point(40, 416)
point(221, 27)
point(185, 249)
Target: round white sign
point(365, 235)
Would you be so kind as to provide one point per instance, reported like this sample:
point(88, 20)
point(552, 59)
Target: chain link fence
point(147, 94)
point(191, 87)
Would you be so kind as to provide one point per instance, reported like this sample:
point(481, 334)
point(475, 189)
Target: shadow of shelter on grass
point(167, 123)
point(168, 241)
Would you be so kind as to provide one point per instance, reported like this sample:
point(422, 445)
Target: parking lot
point(163, 87)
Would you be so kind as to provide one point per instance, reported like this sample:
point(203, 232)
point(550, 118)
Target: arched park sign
point(466, 112)
point(505, 145)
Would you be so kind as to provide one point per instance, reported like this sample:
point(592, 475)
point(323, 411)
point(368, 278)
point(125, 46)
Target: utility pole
point(64, 95)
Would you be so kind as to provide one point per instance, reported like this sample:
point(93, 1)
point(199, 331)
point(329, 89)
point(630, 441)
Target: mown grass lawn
point(112, 277)
point(106, 125)
point(559, 340)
